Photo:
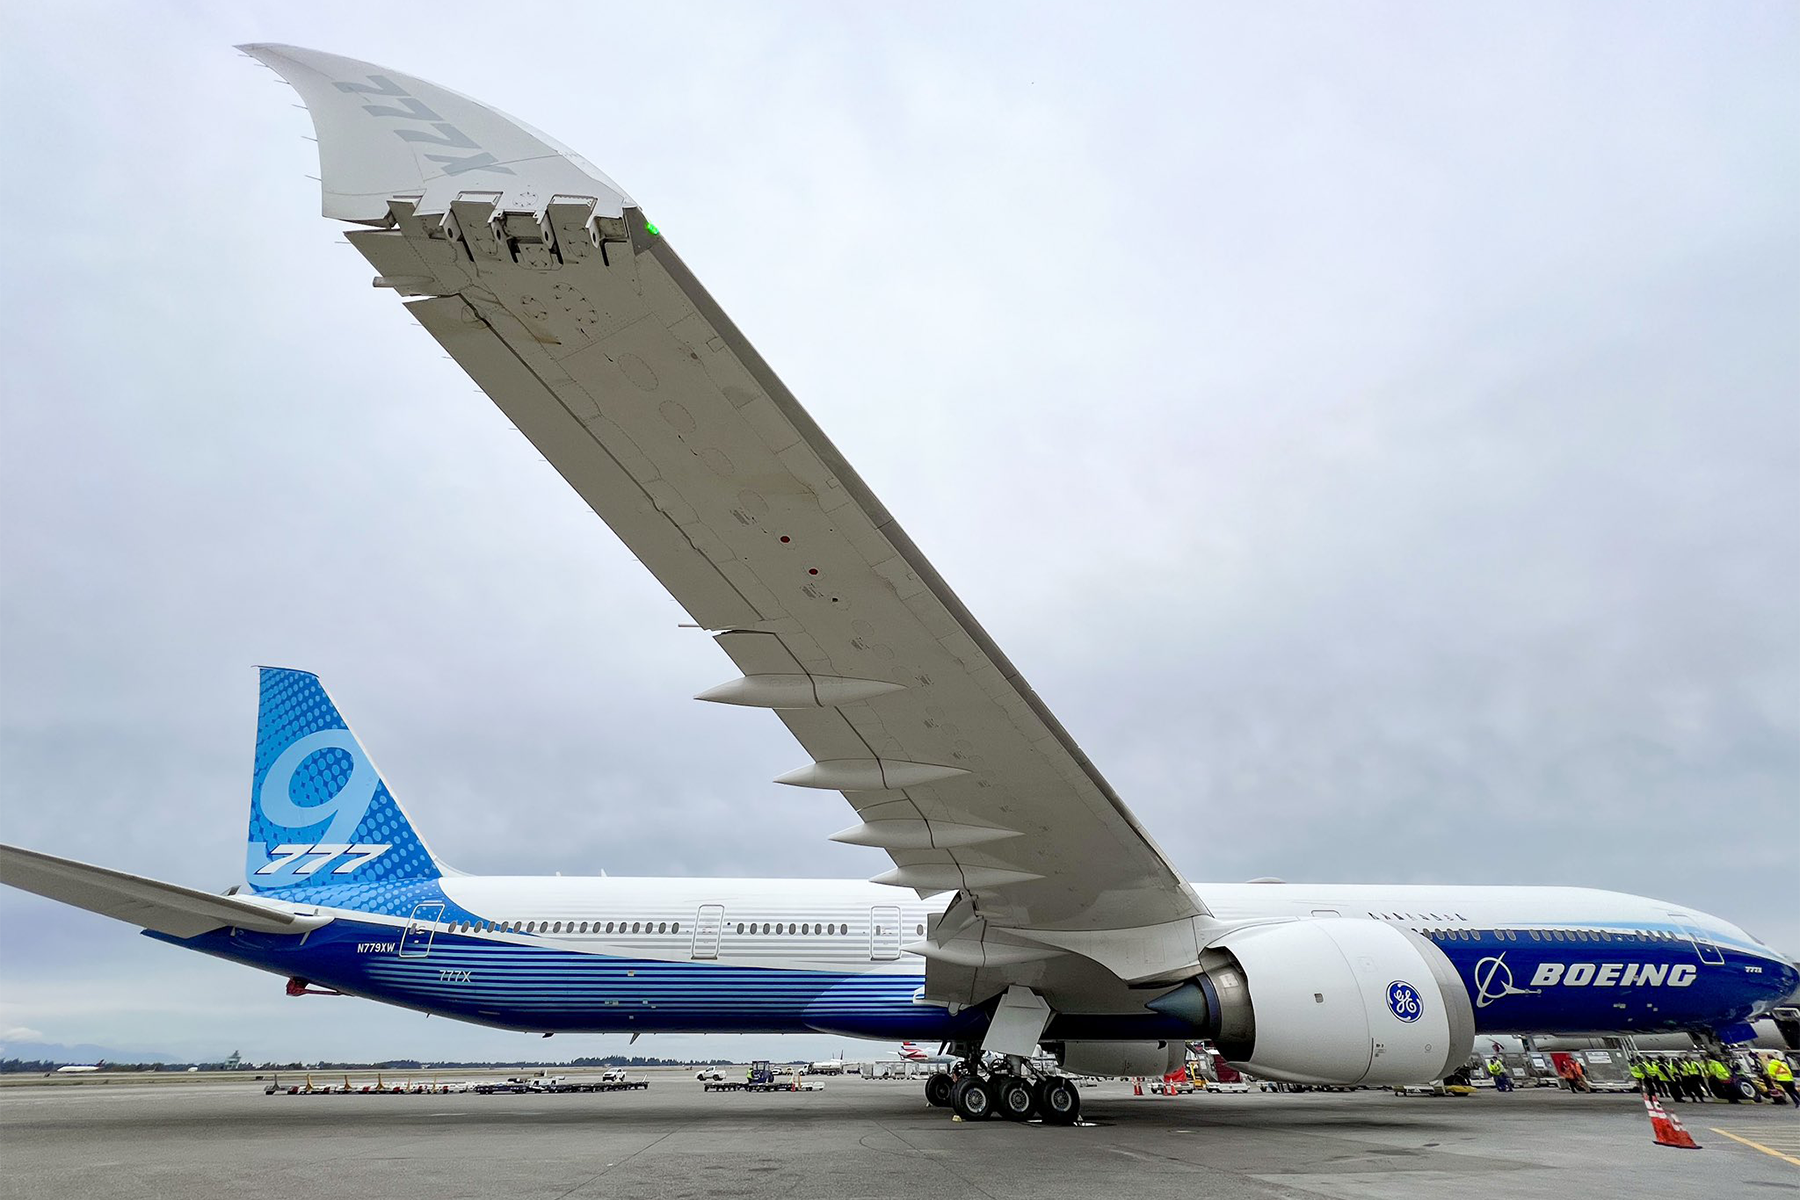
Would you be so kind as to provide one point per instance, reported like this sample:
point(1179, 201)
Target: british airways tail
point(320, 814)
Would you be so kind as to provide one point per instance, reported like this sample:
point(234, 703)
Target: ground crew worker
point(1721, 1080)
point(1694, 1079)
point(1638, 1077)
point(1497, 1070)
point(1781, 1076)
point(1659, 1082)
point(1580, 1080)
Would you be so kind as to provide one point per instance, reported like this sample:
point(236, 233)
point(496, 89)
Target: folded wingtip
point(383, 133)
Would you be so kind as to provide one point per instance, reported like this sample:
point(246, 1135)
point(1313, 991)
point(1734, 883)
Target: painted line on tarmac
point(1786, 1158)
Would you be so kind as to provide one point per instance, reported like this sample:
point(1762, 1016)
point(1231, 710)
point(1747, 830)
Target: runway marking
point(1786, 1158)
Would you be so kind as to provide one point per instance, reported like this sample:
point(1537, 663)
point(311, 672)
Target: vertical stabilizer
point(320, 814)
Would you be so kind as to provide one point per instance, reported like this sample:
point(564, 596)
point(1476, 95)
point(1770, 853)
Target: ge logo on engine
point(1403, 1001)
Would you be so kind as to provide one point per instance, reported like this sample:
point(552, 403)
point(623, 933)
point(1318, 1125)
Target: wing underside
point(579, 321)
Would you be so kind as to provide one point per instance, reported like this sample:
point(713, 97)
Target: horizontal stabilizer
point(162, 907)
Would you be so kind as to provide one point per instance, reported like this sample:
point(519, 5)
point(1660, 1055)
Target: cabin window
point(740, 927)
point(662, 927)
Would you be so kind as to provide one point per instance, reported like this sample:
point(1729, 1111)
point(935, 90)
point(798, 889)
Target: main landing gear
point(1009, 1088)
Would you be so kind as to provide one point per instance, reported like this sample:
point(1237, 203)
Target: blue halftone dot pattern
point(314, 785)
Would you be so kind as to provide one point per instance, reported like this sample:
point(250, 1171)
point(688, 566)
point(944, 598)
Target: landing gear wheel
point(957, 1084)
point(937, 1090)
point(973, 1099)
point(1059, 1102)
point(1016, 1099)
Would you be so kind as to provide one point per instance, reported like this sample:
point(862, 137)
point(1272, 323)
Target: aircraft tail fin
point(320, 814)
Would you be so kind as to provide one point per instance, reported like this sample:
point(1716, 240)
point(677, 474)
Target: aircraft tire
point(973, 1099)
point(937, 1089)
point(1059, 1102)
point(1017, 1099)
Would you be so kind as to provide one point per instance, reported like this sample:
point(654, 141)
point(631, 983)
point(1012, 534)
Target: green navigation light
point(652, 230)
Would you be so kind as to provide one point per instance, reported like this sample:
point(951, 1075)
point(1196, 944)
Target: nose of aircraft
point(1787, 987)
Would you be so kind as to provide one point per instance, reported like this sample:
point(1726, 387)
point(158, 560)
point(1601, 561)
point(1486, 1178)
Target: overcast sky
point(1372, 429)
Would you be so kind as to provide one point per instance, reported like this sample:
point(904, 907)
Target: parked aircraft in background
point(910, 1052)
point(1026, 905)
point(80, 1069)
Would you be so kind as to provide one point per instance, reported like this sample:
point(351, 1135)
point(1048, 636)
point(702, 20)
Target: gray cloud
point(1374, 434)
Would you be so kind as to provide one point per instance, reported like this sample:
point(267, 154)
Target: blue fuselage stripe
point(1626, 982)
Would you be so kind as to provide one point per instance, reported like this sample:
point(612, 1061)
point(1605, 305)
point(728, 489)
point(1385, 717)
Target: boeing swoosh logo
point(1494, 981)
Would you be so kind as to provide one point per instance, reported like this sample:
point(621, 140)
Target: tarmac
point(857, 1138)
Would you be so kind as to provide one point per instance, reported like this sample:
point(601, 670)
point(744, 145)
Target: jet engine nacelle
point(1338, 1001)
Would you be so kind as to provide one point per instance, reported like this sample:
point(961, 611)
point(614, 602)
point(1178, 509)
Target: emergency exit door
point(884, 933)
point(707, 924)
point(416, 941)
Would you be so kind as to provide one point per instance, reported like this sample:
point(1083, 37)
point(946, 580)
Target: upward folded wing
point(581, 323)
point(165, 907)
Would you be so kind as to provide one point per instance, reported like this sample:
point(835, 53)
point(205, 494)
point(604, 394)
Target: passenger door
point(884, 933)
point(416, 941)
point(707, 924)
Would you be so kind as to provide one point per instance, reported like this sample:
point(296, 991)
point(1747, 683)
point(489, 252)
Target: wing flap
point(164, 907)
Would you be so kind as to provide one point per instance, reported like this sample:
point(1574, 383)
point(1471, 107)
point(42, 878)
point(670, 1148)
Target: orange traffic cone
point(1665, 1129)
point(1137, 1086)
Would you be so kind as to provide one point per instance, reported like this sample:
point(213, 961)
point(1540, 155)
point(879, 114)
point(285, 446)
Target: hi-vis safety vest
point(1779, 1071)
point(1719, 1070)
point(1637, 1070)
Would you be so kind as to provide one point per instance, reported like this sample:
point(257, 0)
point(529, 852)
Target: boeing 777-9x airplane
point(1026, 907)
